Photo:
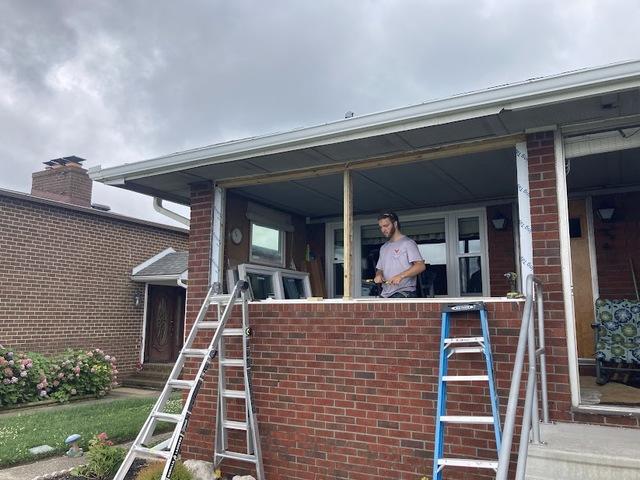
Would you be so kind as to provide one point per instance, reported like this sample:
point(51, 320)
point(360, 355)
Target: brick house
point(66, 270)
point(512, 178)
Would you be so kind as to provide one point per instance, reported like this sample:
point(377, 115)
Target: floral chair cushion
point(618, 332)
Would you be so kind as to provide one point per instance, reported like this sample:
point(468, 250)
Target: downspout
point(157, 205)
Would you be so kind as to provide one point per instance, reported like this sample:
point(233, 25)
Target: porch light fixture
point(499, 221)
point(606, 213)
point(136, 299)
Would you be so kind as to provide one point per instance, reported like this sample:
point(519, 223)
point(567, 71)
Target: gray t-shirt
point(395, 258)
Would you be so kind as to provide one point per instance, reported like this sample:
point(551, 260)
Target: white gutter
point(534, 92)
point(157, 205)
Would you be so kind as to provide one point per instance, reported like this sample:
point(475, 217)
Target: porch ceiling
point(605, 170)
point(175, 186)
point(453, 180)
point(584, 98)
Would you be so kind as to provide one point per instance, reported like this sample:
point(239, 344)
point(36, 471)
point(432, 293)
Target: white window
point(453, 245)
point(267, 245)
point(276, 283)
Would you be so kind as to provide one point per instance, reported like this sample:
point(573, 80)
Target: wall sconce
point(137, 298)
point(606, 213)
point(499, 221)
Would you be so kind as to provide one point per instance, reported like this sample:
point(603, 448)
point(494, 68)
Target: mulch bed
point(131, 474)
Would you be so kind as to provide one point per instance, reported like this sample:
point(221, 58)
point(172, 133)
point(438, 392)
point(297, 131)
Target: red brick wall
point(502, 257)
point(546, 265)
point(349, 390)
point(65, 278)
point(617, 241)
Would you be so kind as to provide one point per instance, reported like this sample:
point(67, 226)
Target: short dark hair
point(391, 216)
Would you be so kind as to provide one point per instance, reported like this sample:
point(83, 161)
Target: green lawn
point(120, 419)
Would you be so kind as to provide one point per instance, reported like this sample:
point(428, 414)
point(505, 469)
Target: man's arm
point(416, 268)
point(379, 278)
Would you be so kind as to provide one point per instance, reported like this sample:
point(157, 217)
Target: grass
point(120, 419)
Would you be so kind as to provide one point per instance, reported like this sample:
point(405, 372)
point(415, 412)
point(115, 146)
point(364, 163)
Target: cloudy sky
point(121, 81)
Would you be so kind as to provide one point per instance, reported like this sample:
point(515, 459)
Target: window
point(453, 245)
point(267, 245)
point(272, 282)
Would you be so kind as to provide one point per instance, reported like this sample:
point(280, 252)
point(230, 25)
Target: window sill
point(440, 300)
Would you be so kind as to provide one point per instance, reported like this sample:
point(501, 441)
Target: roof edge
point(524, 94)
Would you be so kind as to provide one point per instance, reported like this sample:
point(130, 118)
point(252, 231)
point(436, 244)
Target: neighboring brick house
point(65, 274)
point(347, 387)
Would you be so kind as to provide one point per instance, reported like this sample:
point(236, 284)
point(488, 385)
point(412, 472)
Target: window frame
point(278, 275)
point(451, 232)
point(281, 249)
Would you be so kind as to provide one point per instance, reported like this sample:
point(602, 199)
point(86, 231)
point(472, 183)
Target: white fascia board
point(533, 92)
point(153, 259)
point(156, 278)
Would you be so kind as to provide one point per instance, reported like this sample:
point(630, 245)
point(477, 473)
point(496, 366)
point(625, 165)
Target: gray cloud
point(118, 82)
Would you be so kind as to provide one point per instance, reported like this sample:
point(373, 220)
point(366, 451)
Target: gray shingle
point(172, 264)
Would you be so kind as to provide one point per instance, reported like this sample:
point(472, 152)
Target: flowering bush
point(29, 377)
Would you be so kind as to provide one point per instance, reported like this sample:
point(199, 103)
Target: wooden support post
point(348, 234)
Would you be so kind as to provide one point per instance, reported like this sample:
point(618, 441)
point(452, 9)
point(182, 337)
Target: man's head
point(388, 223)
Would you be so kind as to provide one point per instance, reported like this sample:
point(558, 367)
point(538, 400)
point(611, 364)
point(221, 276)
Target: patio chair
point(617, 329)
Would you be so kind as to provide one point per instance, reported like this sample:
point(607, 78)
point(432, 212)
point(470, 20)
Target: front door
point(165, 323)
point(582, 277)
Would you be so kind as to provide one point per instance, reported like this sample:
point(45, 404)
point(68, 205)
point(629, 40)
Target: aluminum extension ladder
point(169, 451)
point(463, 345)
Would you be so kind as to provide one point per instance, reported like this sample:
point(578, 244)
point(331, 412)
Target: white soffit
point(602, 142)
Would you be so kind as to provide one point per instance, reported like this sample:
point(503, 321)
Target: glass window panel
point(470, 275)
point(338, 245)
point(293, 288)
point(338, 277)
point(261, 285)
point(468, 235)
point(266, 245)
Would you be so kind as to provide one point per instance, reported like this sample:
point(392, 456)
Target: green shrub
point(27, 377)
point(153, 471)
point(103, 459)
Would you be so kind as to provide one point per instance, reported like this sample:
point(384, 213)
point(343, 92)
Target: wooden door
point(581, 270)
point(165, 323)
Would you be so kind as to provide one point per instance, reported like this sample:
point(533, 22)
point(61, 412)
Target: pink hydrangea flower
point(23, 373)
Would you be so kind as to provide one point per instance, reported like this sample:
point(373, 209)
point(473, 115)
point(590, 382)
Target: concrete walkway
point(45, 467)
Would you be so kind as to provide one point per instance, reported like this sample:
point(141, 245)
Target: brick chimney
point(63, 180)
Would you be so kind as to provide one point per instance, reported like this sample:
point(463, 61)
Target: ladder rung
point(152, 454)
point(228, 332)
point(448, 341)
point(208, 325)
point(465, 462)
point(233, 332)
point(232, 362)
point(219, 298)
point(195, 352)
point(185, 384)
point(233, 393)
point(167, 417)
point(245, 457)
point(232, 424)
point(465, 378)
point(466, 350)
point(465, 419)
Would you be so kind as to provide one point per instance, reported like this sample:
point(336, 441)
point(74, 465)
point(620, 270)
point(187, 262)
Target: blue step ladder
point(461, 346)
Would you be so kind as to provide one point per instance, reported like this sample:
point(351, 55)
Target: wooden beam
point(413, 156)
point(348, 234)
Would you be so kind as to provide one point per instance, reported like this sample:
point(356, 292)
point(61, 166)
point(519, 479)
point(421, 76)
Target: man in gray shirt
point(400, 260)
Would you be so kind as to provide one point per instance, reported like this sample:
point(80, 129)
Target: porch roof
point(579, 99)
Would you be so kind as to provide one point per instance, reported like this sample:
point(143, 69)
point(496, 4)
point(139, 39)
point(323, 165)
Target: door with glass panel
point(468, 254)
